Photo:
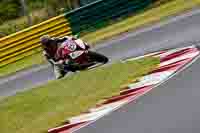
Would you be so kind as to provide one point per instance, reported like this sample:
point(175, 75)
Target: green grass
point(47, 106)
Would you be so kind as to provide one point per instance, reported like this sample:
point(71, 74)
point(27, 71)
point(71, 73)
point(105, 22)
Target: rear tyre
point(96, 57)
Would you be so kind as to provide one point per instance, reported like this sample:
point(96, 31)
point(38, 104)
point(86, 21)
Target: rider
point(53, 51)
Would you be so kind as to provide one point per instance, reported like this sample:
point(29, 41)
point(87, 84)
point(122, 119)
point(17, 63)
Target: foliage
point(18, 24)
point(12, 17)
point(10, 9)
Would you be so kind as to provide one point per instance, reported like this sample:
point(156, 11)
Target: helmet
point(45, 40)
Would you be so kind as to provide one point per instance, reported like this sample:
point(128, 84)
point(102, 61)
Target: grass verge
point(47, 106)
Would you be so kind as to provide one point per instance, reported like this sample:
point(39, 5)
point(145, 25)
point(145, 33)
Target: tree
point(26, 12)
point(72, 4)
point(10, 9)
point(53, 6)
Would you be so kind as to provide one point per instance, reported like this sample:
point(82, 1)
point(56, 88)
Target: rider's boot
point(58, 72)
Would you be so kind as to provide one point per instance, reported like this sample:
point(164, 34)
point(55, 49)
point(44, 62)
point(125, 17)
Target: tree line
point(12, 9)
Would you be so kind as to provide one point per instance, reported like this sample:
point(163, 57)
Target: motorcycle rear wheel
point(97, 57)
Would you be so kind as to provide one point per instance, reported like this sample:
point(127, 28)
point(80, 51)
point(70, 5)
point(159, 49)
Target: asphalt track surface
point(172, 107)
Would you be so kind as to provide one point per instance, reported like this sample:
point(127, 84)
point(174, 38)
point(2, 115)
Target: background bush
point(12, 16)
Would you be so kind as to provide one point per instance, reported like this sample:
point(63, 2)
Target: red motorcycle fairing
point(82, 59)
point(75, 50)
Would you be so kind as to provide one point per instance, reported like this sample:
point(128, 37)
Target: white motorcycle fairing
point(80, 43)
point(76, 54)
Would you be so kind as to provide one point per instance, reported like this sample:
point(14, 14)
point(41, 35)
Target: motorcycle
point(82, 58)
